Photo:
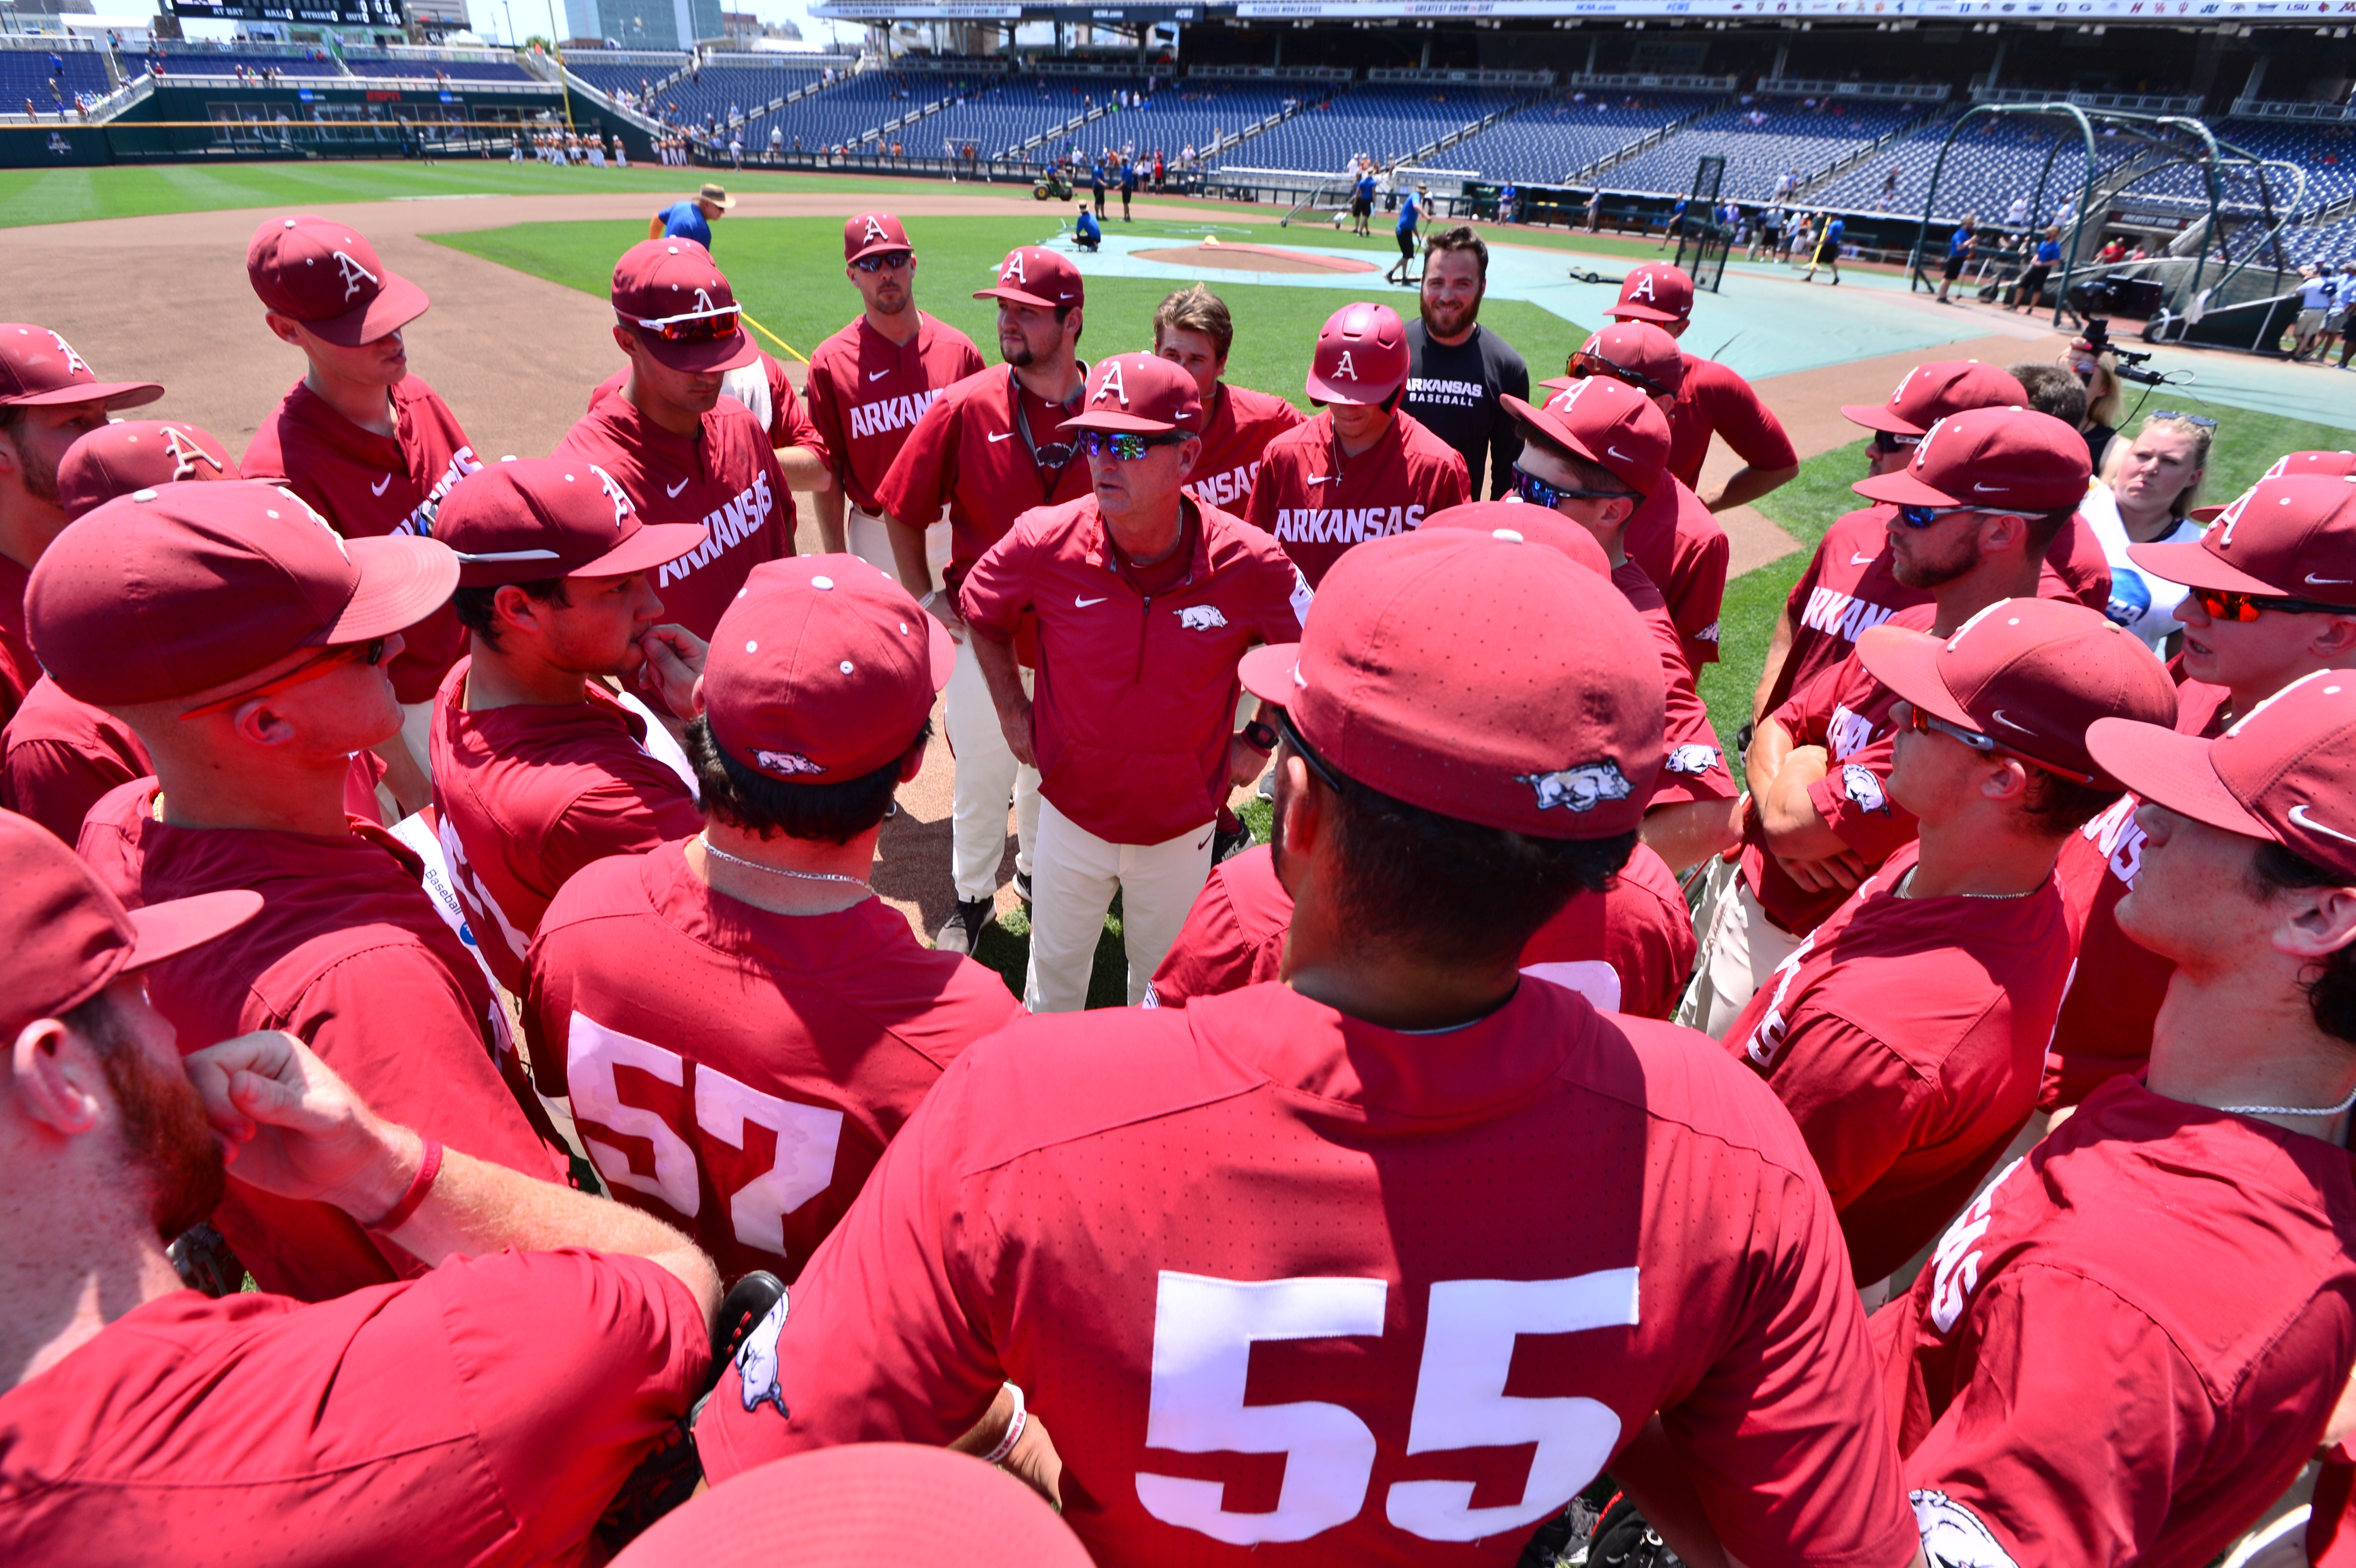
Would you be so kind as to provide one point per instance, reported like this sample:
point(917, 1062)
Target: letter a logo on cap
point(353, 274)
point(874, 232)
point(1644, 289)
point(1013, 273)
point(1112, 384)
point(615, 494)
point(186, 454)
point(74, 362)
point(1345, 367)
point(1902, 381)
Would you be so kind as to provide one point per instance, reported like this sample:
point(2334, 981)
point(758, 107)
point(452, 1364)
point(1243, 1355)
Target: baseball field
point(517, 259)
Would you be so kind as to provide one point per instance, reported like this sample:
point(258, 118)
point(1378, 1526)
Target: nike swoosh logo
point(1990, 489)
point(2298, 814)
point(2329, 582)
point(673, 490)
point(1317, 478)
point(877, 374)
point(1006, 435)
point(1856, 560)
point(1204, 843)
point(379, 487)
point(2000, 718)
point(1084, 603)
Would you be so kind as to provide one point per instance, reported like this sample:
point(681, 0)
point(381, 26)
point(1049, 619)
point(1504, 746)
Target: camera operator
point(2096, 362)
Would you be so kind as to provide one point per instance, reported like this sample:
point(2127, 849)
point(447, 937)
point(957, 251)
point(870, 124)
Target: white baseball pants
point(1739, 948)
point(986, 773)
point(869, 537)
point(1072, 885)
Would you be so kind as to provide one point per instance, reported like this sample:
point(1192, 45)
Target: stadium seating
point(424, 70)
point(632, 74)
point(1003, 113)
point(25, 73)
point(1387, 121)
point(1193, 112)
point(1761, 141)
point(188, 60)
point(1991, 164)
point(1547, 143)
point(841, 114)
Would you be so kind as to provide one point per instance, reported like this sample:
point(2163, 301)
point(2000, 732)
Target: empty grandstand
point(1554, 141)
point(1770, 142)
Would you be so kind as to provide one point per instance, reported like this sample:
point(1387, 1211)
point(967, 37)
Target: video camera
point(2098, 340)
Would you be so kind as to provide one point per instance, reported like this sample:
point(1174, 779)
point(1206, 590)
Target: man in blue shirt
point(1827, 251)
point(2029, 293)
point(1676, 223)
point(1086, 234)
point(691, 220)
point(1960, 245)
point(1362, 201)
point(2315, 291)
point(1128, 185)
point(1410, 214)
point(1097, 183)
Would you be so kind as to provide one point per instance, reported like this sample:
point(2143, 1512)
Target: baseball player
point(2265, 609)
point(245, 643)
point(1711, 400)
point(490, 1407)
point(48, 400)
point(1852, 583)
point(1977, 505)
point(537, 770)
point(1672, 535)
point(990, 448)
point(1364, 467)
point(1144, 599)
point(1594, 455)
point(746, 976)
point(1908, 1033)
point(1193, 330)
point(366, 444)
point(680, 451)
point(870, 383)
point(1629, 948)
point(58, 755)
point(762, 386)
point(1458, 369)
point(1329, 1179)
point(2129, 1345)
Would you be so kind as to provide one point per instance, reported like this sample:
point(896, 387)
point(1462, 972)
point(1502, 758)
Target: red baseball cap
point(137, 454)
point(2291, 539)
point(862, 1505)
point(2287, 772)
point(823, 670)
point(546, 517)
point(168, 593)
point(1141, 392)
point(1434, 668)
point(1653, 291)
point(328, 277)
point(2293, 465)
point(1361, 357)
point(871, 234)
point(2030, 674)
point(1608, 422)
point(1929, 393)
point(1631, 348)
point(674, 287)
point(2002, 459)
point(1043, 278)
point(68, 938)
point(38, 369)
point(1518, 524)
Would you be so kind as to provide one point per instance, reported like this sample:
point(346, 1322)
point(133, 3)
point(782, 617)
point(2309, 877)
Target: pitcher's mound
point(1253, 259)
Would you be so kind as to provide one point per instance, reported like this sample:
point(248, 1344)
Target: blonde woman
point(2145, 495)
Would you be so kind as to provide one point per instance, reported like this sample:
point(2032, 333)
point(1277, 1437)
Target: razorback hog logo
point(1692, 758)
point(757, 1361)
point(75, 364)
point(1201, 617)
point(622, 507)
point(1581, 788)
point(186, 452)
point(787, 762)
point(1860, 785)
point(352, 274)
point(1953, 1535)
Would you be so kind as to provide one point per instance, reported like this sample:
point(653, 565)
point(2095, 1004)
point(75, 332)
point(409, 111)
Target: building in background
point(645, 24)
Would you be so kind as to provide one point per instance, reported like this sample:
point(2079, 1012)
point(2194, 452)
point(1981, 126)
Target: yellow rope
point(771, 335)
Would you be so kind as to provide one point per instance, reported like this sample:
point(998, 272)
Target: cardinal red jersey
point(762, 387)
point(2126, 1347)
point(18, 669)
point(490, 1408)
point(866, 393)
point(1905, 1036)
point(968, 453)
point(725, 477)
point(1134, 709)
point(59, 757)
point(735, 1072)
point(1683, 551)
point(1318, 503)
point(1628, 949)
point(1849, 586)
point(526, 795)
point(1847, 712)
point(350, 955)
point(1715, 401)
point(2106, 1025)
point(369, 485)
point(1241, 423)
point(1135, 1214)
point(1695, 770)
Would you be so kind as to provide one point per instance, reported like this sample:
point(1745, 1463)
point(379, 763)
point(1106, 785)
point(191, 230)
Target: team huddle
point(441, 900)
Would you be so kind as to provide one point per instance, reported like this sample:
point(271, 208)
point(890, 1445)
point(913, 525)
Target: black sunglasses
point(1886, 441)
point(2203, 421)
point(884, 261)
point(1922, 723)
point(1317, 764)
point(2224, 605)
point(1539, 493)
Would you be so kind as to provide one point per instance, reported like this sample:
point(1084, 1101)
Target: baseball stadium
point(1583, 493)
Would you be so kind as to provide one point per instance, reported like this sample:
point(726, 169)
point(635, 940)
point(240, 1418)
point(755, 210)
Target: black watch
point(1259, 736)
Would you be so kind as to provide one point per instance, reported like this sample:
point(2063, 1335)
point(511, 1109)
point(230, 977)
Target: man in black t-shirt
point(1457, 369)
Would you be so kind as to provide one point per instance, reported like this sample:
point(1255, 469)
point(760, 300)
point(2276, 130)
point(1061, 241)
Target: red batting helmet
point(1361, 356)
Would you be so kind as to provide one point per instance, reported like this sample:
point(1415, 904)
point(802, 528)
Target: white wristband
point(1015, 1426)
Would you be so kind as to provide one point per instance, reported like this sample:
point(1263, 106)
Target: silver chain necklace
point(714, 849)
point(2292, 1110)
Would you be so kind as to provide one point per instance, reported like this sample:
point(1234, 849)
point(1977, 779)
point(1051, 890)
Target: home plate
point(1253, 259)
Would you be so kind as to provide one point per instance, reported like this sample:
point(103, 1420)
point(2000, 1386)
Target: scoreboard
point(381, 14)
